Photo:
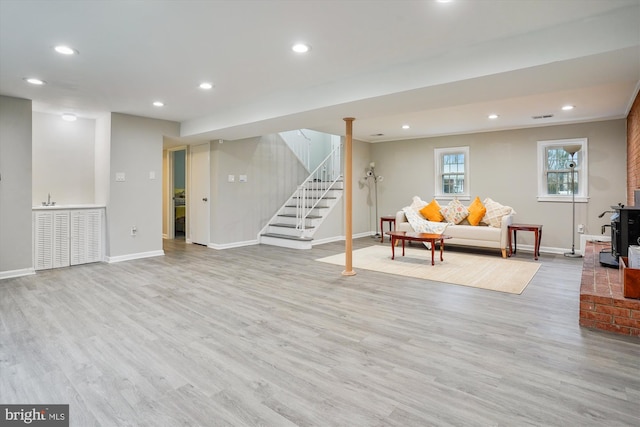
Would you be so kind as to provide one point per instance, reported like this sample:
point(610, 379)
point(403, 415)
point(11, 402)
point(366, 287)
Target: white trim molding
point(131, 257)
point(16, 273)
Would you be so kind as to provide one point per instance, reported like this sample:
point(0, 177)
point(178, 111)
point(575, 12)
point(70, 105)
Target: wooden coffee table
point(417, 237)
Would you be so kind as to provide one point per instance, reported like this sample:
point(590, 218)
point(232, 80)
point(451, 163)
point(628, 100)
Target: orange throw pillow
point(476, 212)
point(432, 212)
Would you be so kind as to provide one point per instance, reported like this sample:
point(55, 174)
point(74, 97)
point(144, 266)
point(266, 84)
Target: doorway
point(176, 194)
point(179, 193)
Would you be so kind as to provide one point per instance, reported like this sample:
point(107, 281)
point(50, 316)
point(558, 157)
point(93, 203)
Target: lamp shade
point(572, 149)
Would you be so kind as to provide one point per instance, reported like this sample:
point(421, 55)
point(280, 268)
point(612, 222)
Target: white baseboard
point(130, 257)
point(232, 245)
point(365, 234)
point(584, 238)
point(341, 238)
point(16, 273)
point(326, 240)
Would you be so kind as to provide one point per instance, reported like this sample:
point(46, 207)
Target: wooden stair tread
point(294, 215)
point(286, 236)
point(283, 225)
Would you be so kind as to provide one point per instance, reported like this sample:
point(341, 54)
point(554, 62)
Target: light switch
point(119, 176)
point(152, 175)
point(232, 178)
point(242, 178)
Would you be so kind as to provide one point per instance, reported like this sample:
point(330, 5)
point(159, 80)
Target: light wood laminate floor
point(266, 336)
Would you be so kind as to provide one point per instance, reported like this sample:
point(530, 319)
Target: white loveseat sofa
point(464, 234)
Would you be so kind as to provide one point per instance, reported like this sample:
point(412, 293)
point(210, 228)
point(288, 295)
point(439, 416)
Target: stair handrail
point(300, 144)
point(317, 185)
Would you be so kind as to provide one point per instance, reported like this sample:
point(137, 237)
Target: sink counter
point(66, 207)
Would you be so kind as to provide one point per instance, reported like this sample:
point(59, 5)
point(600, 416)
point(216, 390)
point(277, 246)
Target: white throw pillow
point(495, 212)
point(417, 203)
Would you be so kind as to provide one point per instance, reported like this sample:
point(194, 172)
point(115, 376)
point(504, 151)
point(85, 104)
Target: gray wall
point(136, 150)
point(320, 147)
point(63, 160)
point(503, 166)
point(102, 159)
point(362, 202)
point(15, 187)
point(240, 210)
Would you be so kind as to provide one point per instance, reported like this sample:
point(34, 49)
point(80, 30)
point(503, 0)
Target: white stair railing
point(316, 186)
point(300, 145)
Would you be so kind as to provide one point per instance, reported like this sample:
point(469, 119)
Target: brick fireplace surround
point(602, 305)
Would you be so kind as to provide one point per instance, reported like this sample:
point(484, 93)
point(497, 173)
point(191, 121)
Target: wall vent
point(542, 116)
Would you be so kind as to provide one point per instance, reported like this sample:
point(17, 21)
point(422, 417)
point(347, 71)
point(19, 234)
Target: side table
point(536, 228)
point(392, 223)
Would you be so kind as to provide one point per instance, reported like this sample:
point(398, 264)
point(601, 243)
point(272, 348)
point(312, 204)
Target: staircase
point(298, 219)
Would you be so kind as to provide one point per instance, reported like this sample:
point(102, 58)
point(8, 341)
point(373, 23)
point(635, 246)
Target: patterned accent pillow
point(455, 212)
point(495, 212)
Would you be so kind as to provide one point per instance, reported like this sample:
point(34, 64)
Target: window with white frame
point(451, 172)
point(555, 160)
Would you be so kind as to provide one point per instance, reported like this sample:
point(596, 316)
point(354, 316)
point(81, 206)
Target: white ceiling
point(441, 68)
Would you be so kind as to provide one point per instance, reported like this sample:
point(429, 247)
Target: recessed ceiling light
point(158, 104)
point(69, 117)
point(493, 116)
point(34, 81)
point(65, 50)
point(568, 107)
point(301, 48)
point(206, 85)
point(406, 126)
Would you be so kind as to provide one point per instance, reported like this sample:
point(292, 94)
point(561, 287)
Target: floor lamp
point(572, 150)
point(371, 173)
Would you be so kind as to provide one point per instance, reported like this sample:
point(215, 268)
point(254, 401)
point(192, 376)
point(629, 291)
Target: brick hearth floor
point(602, 305)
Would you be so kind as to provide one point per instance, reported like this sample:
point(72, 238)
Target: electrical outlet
point(134, 230)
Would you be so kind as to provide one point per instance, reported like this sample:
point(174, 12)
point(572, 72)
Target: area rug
point(479, 271)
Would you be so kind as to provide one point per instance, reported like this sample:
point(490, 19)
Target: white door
point(199, 195)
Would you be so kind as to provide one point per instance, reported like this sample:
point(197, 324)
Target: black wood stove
point(625, 231)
